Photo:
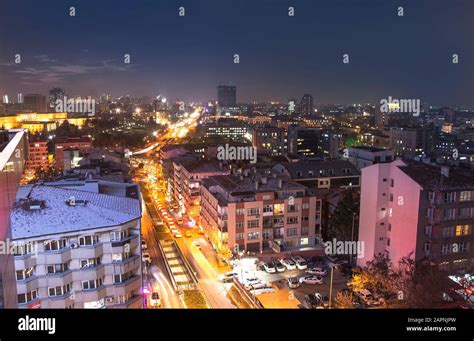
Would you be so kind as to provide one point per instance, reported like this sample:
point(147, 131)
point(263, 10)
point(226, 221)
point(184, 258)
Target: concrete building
point(269, 140)
point(328, 174)
point(227, 96)
point(188, 176)
point(13, 156)
point(258, 213)
point(76, 249)
point(38, 156)
point(365, 156)
point(82, 144)
point(35, 103)
point(313, 142)
point(418, 209)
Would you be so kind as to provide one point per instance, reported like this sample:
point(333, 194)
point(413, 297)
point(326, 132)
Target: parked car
point(309, 302)
point(280, 267)
point(177, 234)
point(322, 300)
point(155, 299)
point(317, 271)
point(293, 283)
point(310, 279)
point(144, 246)
point(288, 263)
point(228, 277)
point(300, 262)
point(269, 267)
point(146, 257)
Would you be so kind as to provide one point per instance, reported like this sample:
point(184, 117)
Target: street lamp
point(352, 232)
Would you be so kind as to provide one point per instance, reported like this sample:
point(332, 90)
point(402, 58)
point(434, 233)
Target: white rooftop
point(57, 217)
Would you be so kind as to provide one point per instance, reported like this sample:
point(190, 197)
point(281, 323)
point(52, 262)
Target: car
point(177, 234)
point(309, 302)
point(188, 234)
point(269, 267)
point(300, 262)
point(146, 257)
point(228, 277)
point(180, 221)
point(310, 279)
point(173, 230)
point(322, 300)
point(317, 271)
point(155, 299)
point(293, 282)
point(288, 263)
point(280, 267)
point(144, 246)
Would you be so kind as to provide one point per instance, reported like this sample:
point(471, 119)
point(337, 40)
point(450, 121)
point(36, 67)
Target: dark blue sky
point(280, 57)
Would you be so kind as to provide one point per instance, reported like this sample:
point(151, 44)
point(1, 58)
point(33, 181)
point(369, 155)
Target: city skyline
point(280, 56)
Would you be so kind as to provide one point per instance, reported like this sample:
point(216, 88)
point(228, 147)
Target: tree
point(344, 299)
point(377, 276)
point(421, 284)
point(340, 221)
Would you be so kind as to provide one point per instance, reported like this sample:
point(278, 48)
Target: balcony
point(27, 285)
point(88, 251)
point(58, 256)
point(128, 240)
point(131, 284)
point(90, 295)
point(130, 264)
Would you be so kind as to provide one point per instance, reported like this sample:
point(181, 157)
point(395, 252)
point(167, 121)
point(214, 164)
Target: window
point(449, 196)
point(449, 213)
point(54, 245)
point(388, 241)
point(57, 268)
point(268, 209)
point(431, 196)
point(252, 224)
point(305, 218)
point(292, 231)
point(392, 183)
point(239, 236)
point(428, 230)
point(253, 211)
point(448, 231)
point(278, 208)
point(59, 291)
point(305, 230)
point(120, 278)
point(27, 297)
point(384, 179)
point(239, 211)
point(24, 274)
point(90, 263)
point(305, 206)
point(23, 249)
point(292, 220)
point(445, 249)
point(278, 221)
point(239, 224)
point(117, 236)
point(429, 213)
point(88, 240)
point(292, 208)
point(253, 235)
point(267, 197)
point(465, 212)
point(391, 197)
point(389, 227)
point(465, 196)
point(427, 247)
point(462, 230)
point(91, 284)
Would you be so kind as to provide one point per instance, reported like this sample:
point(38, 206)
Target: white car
point(317, 271)
point(144, 246)
point(146, 257)
point(228, 277)
point(293, 283)
point(269, 267)
point(300, 262)
point(177, 234)
point(280, 267)
point(155, 299)
point(311, 280)
point(288, 263)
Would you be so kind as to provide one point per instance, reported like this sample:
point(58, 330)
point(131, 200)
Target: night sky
point(281, 57)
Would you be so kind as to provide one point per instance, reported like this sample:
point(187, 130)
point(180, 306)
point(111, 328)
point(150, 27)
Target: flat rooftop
point(57, 217)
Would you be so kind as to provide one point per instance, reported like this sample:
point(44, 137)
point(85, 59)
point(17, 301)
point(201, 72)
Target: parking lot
point(273, 290)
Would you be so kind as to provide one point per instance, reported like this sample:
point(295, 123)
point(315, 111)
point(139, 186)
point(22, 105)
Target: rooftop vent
point(72, 201)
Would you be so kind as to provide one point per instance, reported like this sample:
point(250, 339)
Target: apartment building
point(13, 156)
point(82, 144)
point(259, 213)
point(365, 156)
point(419, 209)
point(187, 177)
point(270, 140)
point(38, 156)
point(76, 249)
